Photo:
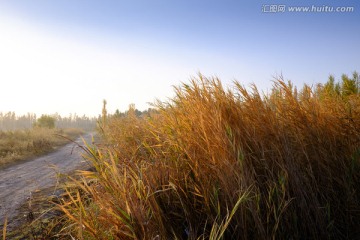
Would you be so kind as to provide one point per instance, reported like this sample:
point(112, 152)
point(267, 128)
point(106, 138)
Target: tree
point(104, 112)
point(357, 81)
point(329, 86)
point(45, 121)
point(132, 110)
point(348, 85)
point(118, 114)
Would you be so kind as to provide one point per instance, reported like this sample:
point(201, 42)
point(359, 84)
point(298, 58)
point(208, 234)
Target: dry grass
point(221, 164)
point(24, 144)
point(4, 229)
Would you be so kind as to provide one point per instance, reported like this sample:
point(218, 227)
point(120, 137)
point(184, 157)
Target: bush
point(45, 121)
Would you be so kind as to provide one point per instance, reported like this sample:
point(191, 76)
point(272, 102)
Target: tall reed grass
point(225, 164)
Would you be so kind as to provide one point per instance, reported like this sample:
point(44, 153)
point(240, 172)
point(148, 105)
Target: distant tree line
point(132, 111)
point(10, 121)
point(75, 121)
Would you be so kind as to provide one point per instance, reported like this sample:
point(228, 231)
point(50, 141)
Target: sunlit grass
point(4, 229)
point(219, 164)
point(23, 144)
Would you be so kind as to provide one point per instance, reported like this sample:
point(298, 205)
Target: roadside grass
point(21, 145)
point(38, 218)
point(4, 229)
point(224, 164)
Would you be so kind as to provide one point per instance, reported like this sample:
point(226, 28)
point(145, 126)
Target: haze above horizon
point(67, 56)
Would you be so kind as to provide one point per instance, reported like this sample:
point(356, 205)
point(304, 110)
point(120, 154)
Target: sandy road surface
point(18, 182)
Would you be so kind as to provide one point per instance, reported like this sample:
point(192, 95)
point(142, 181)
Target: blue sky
point(66, 56)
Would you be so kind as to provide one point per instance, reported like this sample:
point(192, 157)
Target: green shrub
point(45, 121)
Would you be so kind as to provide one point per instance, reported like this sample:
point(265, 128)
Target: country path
point(18, 182)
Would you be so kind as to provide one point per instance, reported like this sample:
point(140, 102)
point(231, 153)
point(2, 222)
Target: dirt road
point(18, 182)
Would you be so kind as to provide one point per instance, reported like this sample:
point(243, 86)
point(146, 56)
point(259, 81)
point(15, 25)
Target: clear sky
point(66, 56)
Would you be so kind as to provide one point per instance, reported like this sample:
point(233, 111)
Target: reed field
point(20, 145)
point(216, 163)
